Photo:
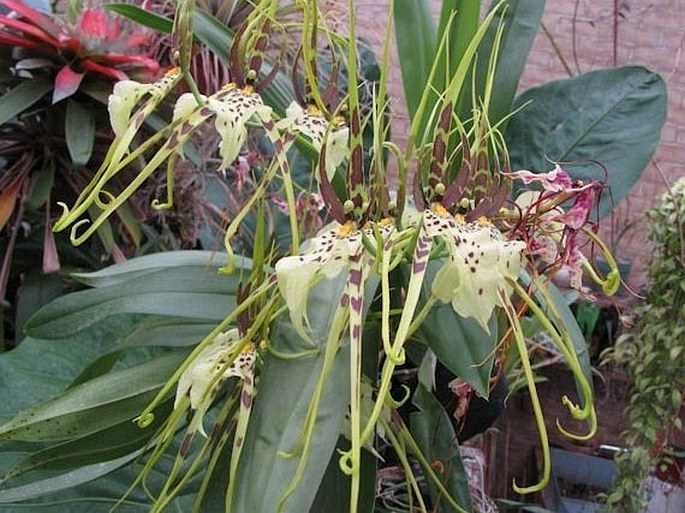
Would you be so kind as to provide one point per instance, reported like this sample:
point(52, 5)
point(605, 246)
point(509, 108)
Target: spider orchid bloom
point(222, 358)
point(554, 234)
point(233, 111)
point(126, 95)
point(311, 123)
point(480, 265)
point(334, 250)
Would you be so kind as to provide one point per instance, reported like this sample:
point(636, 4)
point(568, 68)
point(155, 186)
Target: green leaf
point(612, 115)
point(167, 331)
point(190, 291)
point(95, 405)
point(61, 482)
point(39, 369)
point(20, 98)
point(415, 38)
point(41, 185)
point(79, 131)
point(142, 16)
point(36, 290)
point(521, 20)
point(136, 268)
point(285, 393)
point(459, 343)
point(103, 445)
point(463, 28)
point(435, 436)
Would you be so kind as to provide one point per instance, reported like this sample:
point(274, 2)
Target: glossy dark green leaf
point(459, 343)
point(613, 115)
point(415, 38)
point(21, 97)
point(435, 436)
point(95, 405)
point(79, 131)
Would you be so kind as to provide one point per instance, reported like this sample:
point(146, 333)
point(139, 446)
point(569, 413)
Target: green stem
point(534, 399)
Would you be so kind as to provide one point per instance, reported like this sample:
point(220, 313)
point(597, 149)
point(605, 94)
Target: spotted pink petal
point(577, 216)
point(555, 180)
point(67, 83)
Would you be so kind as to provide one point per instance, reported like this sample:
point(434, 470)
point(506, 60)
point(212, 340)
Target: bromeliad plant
point(297, 380)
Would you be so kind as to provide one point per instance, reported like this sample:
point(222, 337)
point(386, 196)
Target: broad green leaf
point(285, 392)
point(167, 331)
point(612, 115)
point(192, 292)
point(132, 270)
point(94, 405)
point(63, 481)
point(69, 314)
point(21, 97)
point(435, 436)
point(108, 444)
point(521, 20)
point(40, 369)
point(415, 38)
point(459, 343)
point(79, 131)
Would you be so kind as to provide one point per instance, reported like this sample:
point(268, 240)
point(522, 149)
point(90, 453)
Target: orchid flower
point(555, 233)
point(217, 362)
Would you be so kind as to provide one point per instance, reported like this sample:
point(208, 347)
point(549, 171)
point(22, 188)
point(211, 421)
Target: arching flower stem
point(235, 223)
point(534, 399)
point(560, 338)
point(611, 283)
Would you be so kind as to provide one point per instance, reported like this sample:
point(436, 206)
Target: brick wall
point(650, 33)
